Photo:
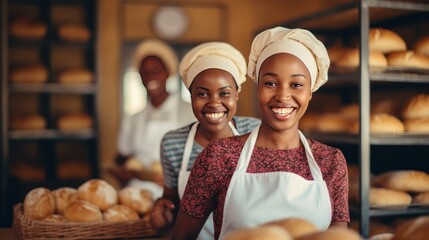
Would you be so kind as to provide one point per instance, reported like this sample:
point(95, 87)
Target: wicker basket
point(27, 228)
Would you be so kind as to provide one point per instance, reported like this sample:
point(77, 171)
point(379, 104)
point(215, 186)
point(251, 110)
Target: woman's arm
point(165, 209)
point(187, 227)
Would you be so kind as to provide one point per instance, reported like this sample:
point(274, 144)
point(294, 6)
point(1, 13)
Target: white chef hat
point(157, 48)
point(298, 42)
point(218, 55)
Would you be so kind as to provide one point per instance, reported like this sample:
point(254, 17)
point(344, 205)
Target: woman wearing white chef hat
point(274, 172)
point(213, 72)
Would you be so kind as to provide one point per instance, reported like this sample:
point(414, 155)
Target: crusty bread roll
point(266, 232)
point(74, 170)
point(99, 193)
point(350, 58)
point(120, 213)
point(73, 32)
point(28, 28)
point(331, 234)
point(421, 198)
point(55, 218)
point(83, 211)
point(383, 197)
point(35, 73)
point(39, 203)
point(417, 229)
point(333, 122)
point(64, 196)
point(296, 227)
point(408, 59)
point(350, 111)
point(417, 107)
point(422, 45)
point(417, 125)
point(386, 123)
point(74, 121)
point(138, 199)
point(404, 180)
point(385, 40)
point(28, 122)
point(75, 76)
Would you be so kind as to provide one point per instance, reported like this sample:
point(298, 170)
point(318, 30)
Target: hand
point(162, 213)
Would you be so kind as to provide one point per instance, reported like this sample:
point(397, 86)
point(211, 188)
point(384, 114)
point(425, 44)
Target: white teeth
point(282, 111)
point(215, 116)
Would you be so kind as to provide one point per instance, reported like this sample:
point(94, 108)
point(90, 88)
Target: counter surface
point(9, 234)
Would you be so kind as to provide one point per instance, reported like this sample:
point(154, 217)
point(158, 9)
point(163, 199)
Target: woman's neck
point(204, 137)
point(269, 137)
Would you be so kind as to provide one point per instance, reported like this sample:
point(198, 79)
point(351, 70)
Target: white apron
point(256, 198)
point(207, 232)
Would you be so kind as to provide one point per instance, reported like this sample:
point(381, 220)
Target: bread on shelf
point(417, 107)
point(27, 122)
point(75, 121)
point(404, 180)
point(385, 40)
point(422, 45)
point(71, 76)
point(408, 59)
point(384, 197)
point(31, 73)
point(74, 32)
point(27, 28)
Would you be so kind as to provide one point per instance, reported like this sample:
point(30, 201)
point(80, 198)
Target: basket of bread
point(94, 210)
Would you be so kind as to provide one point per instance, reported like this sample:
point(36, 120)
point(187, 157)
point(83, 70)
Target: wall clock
point(170, 22)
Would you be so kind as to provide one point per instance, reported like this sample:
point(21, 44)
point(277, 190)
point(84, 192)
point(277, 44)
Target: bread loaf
point(120, 213)
point(36, 73)
point(385, 40)
point(39, 203)
point(28, 28)
point(417, 125)
point(75, 76)
point(296, 227)
point(74, 121)
point(82, 211)
point(99, 193)
point(408, 59)
point(63, 197)
point(73, 32)
point(27, 122)
point(333, 122)
point(138, 199)
point(55, 218)
point(422, 45)
point(259, 233)
point(404, 180)
point(421, 198)
point(417, 107)
point(350, 58)
point(417, 229)
point(383, 197)
point(309, 122)
point(332, 234)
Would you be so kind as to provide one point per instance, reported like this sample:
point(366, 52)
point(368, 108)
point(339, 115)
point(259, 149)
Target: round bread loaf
point(82, 211)
point(417, 125)
point(73, 32)
point(331, 234)
point(417, 107)
point(386, 123)
point(350, 58)
point(388, 106)
point(35, 73)
point(28, 122)
point(120, 213)
point(383, 197)
point(98, 192)
point(385, 40)
point(139, 200)
point(39, 203)
point(296, 227)
point(422, 45)
point(404, 180)
point(333, 122)
point(421, 198)
point(417, 229)
point(63, 197)
point(55, 218)
point(350, 111)
point(75, 121)
point(28, 28)
point(266, 232)
point(408, 59)
point(75, 76)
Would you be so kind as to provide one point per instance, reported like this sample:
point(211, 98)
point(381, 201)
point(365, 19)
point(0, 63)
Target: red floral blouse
point(214, 167)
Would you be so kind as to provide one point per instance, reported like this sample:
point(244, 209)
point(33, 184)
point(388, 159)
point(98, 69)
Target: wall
point(244, 18)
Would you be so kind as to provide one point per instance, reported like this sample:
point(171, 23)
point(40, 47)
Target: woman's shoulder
point(176, 134)
point(326, 152)
point(246, 124)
